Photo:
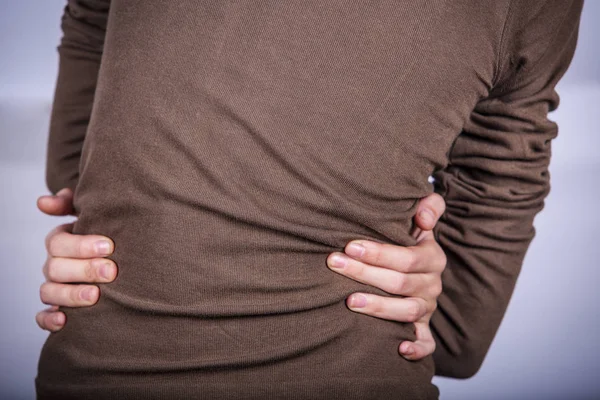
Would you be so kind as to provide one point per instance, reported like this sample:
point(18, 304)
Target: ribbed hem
point(330, 389)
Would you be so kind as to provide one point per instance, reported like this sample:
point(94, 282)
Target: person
point(230, 147)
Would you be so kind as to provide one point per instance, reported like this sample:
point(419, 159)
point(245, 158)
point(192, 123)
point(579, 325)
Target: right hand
point(71, 258)
point(412, 275)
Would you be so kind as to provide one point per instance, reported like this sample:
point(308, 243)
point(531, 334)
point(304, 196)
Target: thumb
point(429, 211)
point(59, 204)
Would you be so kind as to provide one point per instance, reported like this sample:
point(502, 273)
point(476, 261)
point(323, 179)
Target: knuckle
point(399, 284)
point(45, 293)
point(90, 271)
point(376, 306)
point(376, 254)
point(432, 347)
point(73, 294)
point(441, 258)
point(57, 243)
point(356, 269)
point(45, 268)
point(80, 247)
point(50, 237)
point(432, 307)
point(51, 242)
point(436, 289)
point(56, 236)
point(52, 269)
point(47, 242)
point(411, 259)
point(414, 311)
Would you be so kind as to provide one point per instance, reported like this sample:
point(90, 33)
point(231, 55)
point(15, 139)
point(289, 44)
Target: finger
point(60, 242)
point(59, 204)
point(409, 309)
point(380, 254)
point(385, 279)
point(69, 294)
point(426, 256)
point(429, 210)
point(420, 348)
point(50, 320)
point(64, 270)
point(62, 228)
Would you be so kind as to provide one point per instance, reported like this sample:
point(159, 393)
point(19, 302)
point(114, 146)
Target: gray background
point(547, 346)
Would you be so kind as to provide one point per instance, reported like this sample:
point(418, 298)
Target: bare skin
point(412, 275)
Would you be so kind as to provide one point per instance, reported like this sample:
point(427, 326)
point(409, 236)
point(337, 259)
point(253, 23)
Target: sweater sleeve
point(80, 50)
point(496, 181)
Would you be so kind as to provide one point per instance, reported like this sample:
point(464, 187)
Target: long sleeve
point(496, 181)
point(80, 50)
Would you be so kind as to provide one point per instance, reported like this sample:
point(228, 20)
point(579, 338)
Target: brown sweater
point(230, 146)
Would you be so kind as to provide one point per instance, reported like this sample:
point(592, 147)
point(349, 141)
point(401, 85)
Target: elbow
point(463, 368)
point(464, 364)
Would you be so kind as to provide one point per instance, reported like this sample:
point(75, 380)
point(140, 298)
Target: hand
point(71, 258)
point(412, 273)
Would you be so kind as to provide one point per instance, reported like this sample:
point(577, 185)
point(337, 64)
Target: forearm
point(80, 51)
point(496, 181)
point(485, 246)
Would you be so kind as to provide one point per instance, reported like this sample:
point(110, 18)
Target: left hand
point(412, 273)
point(70, 258)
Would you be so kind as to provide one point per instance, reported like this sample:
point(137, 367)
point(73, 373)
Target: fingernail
point(426, 216)
point(57, 319)
point(355, 249)
point(106, 271)
point(337, 261)
point(103, 247)
point(357, 301)
point(409, 351)
point(62, 191)
point(88, 294)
